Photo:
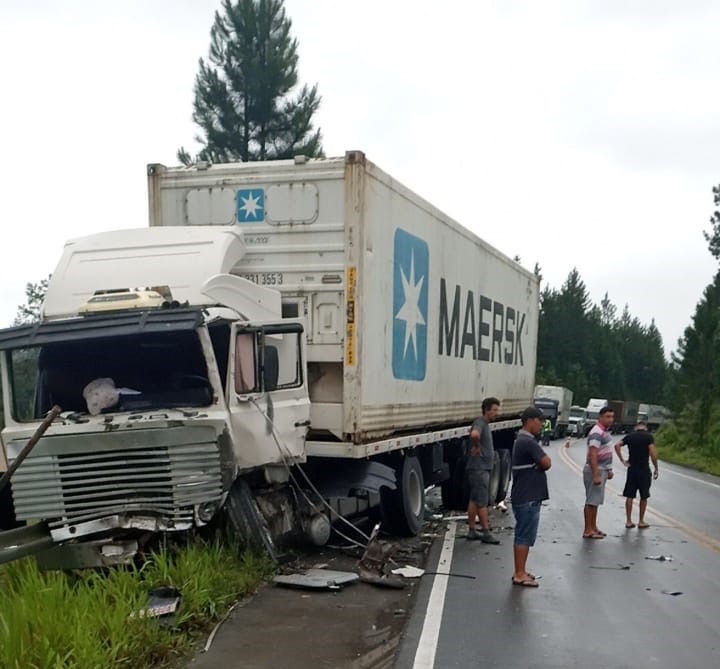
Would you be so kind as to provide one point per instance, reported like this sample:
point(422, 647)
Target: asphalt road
point(590, 610)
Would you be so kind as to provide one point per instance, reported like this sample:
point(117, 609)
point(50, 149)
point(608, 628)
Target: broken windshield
point(129, 373)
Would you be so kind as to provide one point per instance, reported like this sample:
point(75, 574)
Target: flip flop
point(596, 535)
point(601, 533)
point(629, 526)
point(643, 526)
point(526, 583)
point(530, 576)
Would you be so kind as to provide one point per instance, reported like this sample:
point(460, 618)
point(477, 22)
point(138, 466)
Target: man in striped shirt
point(597, 471)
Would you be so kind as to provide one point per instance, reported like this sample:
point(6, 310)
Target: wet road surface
point(590, 610)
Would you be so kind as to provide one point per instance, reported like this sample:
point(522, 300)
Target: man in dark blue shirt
point(529, 489)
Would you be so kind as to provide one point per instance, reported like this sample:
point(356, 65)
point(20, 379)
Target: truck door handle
point(303, 423)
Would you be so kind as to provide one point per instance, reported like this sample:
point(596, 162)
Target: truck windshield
point(548, 407)
point(150, 371)
point(576, 413)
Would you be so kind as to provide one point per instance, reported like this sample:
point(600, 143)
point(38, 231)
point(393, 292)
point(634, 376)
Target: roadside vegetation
point(680, 440)
point(84, 619)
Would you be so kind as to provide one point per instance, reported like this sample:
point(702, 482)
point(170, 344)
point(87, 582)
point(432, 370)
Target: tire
point(494, 484)
point(505, 474)
point(247, 521)
point(403, 509)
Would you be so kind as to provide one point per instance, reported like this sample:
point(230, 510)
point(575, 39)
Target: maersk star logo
point(410, 306)
point(251, 205)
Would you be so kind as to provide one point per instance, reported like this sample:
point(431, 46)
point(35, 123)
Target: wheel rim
point(414, 494)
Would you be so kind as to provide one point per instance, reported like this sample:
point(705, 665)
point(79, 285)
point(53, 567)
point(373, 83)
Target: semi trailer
point(288, 343)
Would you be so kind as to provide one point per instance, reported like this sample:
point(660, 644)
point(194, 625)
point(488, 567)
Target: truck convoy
point(289, 343)
point(555, 403)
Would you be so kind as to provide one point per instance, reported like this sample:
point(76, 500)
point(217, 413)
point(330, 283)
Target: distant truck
point(555, 403)
point(290, 343)
point(626, 415)
point(578, 421)
point(653, 414)
point(593, 412)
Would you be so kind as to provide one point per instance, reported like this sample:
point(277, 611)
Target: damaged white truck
point(288, 343)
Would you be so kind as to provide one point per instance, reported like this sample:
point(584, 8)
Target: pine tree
point(246, 99)
point(34, 295)
point(713, 237)
point(698, 358)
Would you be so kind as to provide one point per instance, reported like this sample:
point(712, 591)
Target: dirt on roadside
point(356, 627)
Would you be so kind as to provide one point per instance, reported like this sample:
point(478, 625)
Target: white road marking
point(427, 646)
point(690, 478)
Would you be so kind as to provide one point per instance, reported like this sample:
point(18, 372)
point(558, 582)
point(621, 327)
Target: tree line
point(695, 383)
point(597, 351)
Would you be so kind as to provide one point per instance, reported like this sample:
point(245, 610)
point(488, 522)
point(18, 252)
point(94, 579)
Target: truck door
point(269, 373)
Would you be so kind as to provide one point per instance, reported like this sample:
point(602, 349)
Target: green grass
point(678, 441)
point(691, 457)
point(81, 620)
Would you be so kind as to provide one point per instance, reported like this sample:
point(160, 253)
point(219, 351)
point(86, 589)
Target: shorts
point(527, 518)
point(594, 494)
point(478, 481)
point(638, 480)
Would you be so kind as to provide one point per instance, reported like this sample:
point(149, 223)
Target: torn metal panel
point(318, 579)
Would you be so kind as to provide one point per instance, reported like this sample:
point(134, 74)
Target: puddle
point(381, 640)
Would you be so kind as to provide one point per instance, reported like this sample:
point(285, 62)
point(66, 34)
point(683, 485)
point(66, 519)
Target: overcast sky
point(569, 133)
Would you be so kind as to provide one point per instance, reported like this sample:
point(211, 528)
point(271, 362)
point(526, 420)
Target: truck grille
point(79, 484)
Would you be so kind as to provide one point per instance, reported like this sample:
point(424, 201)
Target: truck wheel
point(403, 509)
point(505, 472)
point(247, 521)
point(494, 479)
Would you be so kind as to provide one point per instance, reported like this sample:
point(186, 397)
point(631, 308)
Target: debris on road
point(619, 567)
point(659, 558)
point(673, 593)
point(408, 572)
point(317, 579)
point(162, 603)
point(373, 566)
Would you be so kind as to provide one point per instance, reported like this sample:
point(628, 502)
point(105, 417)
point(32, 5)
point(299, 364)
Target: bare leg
point(594, 514)
point(472, 511)
point(643, 508)
point(589, 522)
point(482, 513)
point(520, 555)
point(628, 512)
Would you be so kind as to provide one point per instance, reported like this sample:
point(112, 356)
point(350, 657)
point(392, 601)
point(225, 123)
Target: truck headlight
point(206, 511)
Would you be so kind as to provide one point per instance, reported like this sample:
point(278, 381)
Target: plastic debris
point(162, 604)
point(659, 558)
point(673, 593)
point(409, 572)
